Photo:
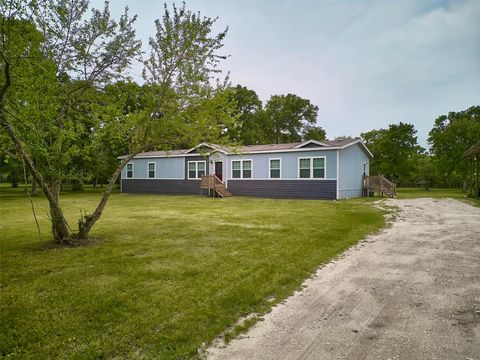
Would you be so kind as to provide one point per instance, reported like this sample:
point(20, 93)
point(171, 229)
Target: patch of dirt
point(409, 292)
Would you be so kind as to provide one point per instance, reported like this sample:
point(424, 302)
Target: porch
point(213, 186)
point(380, 185)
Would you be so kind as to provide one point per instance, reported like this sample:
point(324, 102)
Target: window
point(311, 168)
point(241, 169)
point(274, 168)
point(318, 168)
point(247, 169)
point(196, 169)
point(151, 170)
point(129, 171)
point(304, 168)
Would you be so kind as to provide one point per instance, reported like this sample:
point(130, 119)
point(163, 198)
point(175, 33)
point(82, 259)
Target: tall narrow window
point(274, 168)
point(304, 168)
point(247, 169)
point(196, 169)
point(192, 169)
point(236, 169)
point(200, 169)
point(129, 171)
point(241, 169)
point(151, 170)
point(319, 168)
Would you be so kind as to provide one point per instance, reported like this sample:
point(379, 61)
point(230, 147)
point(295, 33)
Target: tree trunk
point(60, 230)
point(90, 220)
point(34, 191)
point(13, 175)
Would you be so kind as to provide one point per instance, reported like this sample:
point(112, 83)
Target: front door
point(219, 169)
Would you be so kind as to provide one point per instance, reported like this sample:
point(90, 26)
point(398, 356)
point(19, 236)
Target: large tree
point(449, 138)
point(56, 65)
point(247, 130)
point(52, 56)
point(314, 132)
point(287, 117)
point(394, 151)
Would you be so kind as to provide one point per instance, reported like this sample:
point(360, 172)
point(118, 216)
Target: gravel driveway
point(410, 292)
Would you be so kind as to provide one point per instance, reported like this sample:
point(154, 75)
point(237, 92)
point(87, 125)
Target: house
point(306, 170)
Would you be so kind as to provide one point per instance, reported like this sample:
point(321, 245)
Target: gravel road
point(410, 292)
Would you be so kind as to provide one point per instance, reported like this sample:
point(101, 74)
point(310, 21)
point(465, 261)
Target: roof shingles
point(247, 149)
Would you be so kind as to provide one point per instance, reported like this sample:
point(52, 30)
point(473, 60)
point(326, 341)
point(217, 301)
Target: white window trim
point(311, 167)
point(133, 171)
point(154, 170)
point(241, 169)
point(270, 168)
point(196, 169)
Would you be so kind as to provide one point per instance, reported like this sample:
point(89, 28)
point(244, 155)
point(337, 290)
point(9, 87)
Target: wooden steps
point(213, 183)
point(379, 184)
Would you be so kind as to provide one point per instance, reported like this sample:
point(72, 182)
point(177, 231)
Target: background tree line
point(399, 157)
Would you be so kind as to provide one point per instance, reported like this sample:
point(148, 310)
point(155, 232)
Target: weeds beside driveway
point(168, 274)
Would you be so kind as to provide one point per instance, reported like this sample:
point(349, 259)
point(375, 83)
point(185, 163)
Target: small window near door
point(151, 170)
point(241, 169)
point(274, 168)
point(196, 169)
point(200, 169)
point(236, 170)
point(129, 171)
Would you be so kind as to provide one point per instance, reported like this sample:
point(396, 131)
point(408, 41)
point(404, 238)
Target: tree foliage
point(395, 151)
point(449, 138)
point(247, 129)
point(284, 118)
point(61, 68)
point(287, 116)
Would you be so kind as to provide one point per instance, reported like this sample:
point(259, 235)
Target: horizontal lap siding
point(159, 186)
point(289, 189)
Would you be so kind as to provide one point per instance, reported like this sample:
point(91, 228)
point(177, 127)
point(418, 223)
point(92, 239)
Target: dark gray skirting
point(160, 186)
point(291, 189)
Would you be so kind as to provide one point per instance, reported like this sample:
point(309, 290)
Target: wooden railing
point(212, 182)
point(379, 184)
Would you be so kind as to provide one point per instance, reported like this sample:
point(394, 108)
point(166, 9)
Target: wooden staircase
point(379, 184)
point(214, 186)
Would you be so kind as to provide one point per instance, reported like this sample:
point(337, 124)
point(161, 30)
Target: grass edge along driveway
point(169, 274)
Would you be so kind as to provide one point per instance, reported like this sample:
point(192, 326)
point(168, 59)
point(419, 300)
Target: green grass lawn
point(410, 193)
point(168, 274)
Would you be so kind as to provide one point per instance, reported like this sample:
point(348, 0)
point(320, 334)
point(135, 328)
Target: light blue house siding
point(353, 162)
point(288, 163)
point(344, 169)
point(165, 168)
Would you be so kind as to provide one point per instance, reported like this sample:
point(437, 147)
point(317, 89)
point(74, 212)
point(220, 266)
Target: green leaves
point(450, 137)
point(287, 116)
point(394, 151)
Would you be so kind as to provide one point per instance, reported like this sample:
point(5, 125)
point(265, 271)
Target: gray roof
point(163, 153)
point(252, 148)
point(285, 146)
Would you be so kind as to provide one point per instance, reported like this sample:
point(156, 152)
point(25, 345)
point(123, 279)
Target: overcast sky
point(365, 64)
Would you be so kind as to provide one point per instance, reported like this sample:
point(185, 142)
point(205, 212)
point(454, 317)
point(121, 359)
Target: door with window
point(219, 169)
